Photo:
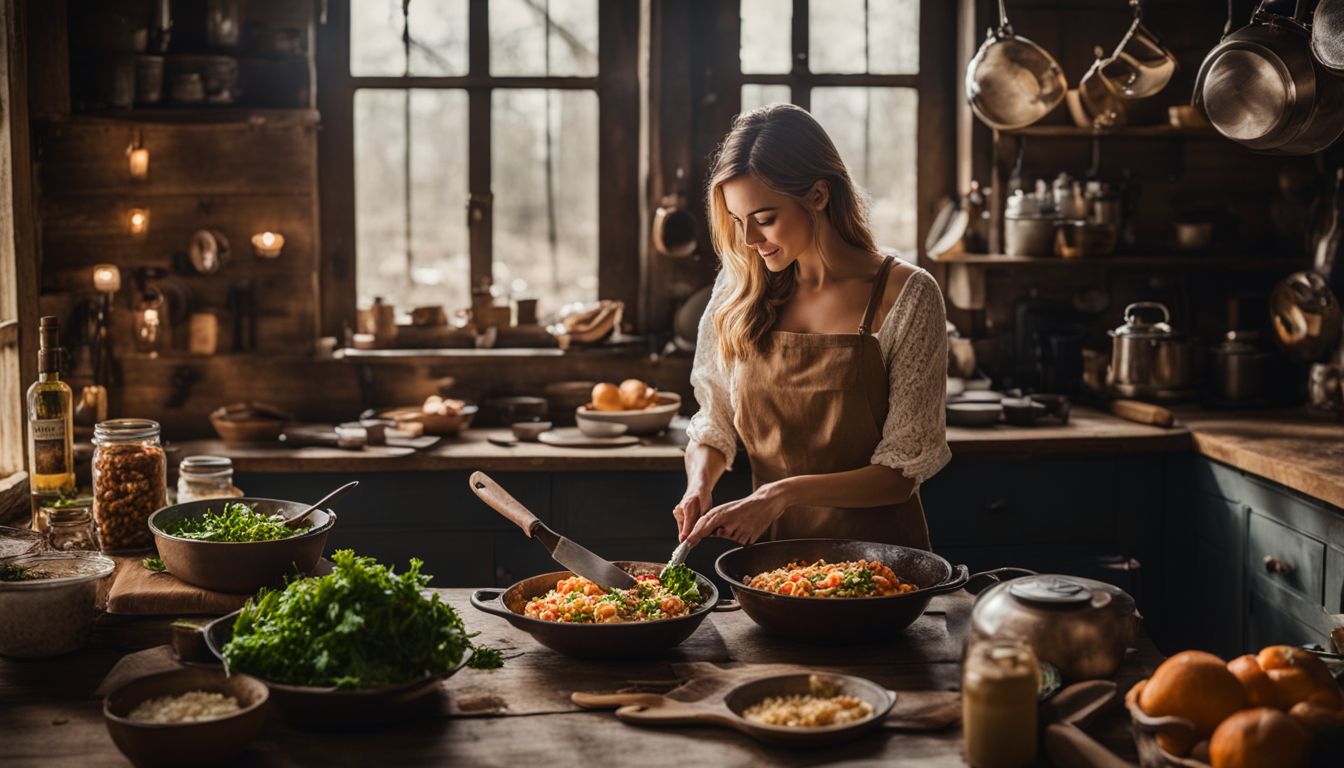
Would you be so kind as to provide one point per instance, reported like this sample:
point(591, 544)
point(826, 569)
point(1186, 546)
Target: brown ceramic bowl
point(249, 422)
point(149, 745)
point(242, 567)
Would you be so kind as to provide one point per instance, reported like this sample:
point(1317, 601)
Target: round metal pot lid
point(1055, 592)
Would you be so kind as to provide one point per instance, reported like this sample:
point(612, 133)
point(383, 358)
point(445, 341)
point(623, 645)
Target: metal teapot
point(1081, 626)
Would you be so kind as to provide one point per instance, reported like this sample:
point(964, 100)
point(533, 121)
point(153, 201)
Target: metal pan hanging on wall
point(1012, 82)
point(1327, 35)
point(1262, 88)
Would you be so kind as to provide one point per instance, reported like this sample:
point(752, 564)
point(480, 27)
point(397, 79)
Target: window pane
point(754, 96)
point(437, 269)
point(875, 36)
point(522, 42)
point(874, 129)
point(438, 38)
point(544, 170)
point(767, 36)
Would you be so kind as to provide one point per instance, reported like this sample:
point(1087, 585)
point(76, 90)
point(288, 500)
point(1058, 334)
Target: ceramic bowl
point(530, 430)
point(149, 745)
point(647, 421)
point(973, 414)
point(598, 428)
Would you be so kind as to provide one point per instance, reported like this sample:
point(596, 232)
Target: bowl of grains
point(810, 709)
point(185, 716)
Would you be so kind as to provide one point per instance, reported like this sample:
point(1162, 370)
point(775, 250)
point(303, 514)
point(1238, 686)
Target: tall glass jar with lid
point(204, 477)
point(130, 472)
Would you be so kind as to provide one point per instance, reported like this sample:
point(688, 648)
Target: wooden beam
point(619, 223)
point(336, 174)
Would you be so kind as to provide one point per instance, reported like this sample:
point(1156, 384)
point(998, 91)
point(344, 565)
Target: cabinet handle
point(1278, 567)
point(997, 505)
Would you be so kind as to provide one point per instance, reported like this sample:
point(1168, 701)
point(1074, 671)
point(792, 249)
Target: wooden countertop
point(1288, 447)
point(521, 714)
point(1088, 431)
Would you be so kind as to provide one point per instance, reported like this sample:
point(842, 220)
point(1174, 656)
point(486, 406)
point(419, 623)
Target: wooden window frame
point(934, 83)
point(617, 89)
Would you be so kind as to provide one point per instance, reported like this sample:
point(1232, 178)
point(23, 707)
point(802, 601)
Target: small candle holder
point(137, 220)
point(139, 162)
point(268, 244)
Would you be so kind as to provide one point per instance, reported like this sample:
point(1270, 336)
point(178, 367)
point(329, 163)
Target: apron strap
point(879, 287)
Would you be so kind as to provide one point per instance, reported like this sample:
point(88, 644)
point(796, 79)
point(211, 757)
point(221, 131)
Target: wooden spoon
point(297, 520)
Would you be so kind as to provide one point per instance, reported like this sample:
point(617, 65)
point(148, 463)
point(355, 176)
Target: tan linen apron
point(815, 403)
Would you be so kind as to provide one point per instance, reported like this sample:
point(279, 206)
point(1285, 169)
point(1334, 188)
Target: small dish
point(597, 428)
point(177, 744)
point(528, 431)
point(973, 414)
point(1022, 411)
point(978, 396)
point(645, 421)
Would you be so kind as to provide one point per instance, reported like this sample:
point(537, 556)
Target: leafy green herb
point(679, 579)
point(236, 523)
point(154, 564)
point(16, 573)
point(485, 657)
point(360, 626)
point(71, 501)
point(859, 580)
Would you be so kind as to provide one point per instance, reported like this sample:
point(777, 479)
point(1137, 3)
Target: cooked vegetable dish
point(851, 578)
point(580, 601)
point(360, 626)
point(822, 705)
point(236, 523)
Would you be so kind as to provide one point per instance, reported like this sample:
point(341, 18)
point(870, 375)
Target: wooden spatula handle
point(614, 700)
point(1143, 413)
point(499, 499)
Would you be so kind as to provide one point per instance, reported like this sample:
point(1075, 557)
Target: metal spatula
point(565, 552)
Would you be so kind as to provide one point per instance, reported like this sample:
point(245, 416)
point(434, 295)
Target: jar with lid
point(70, 529)
point(999, 685)
point(204, 477)
point(130, 472)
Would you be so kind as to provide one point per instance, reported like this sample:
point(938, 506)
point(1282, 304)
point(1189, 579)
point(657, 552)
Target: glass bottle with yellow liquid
point(51, 456)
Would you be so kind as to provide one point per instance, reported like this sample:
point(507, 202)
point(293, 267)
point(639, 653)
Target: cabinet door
point(1287, 557)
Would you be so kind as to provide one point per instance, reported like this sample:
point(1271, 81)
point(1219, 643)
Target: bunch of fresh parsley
point(236, 523)
point(360, 626)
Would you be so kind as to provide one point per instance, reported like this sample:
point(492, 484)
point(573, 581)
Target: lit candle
point(139, 157)
point(139, 221)
point(268, 244)
point(106, 278)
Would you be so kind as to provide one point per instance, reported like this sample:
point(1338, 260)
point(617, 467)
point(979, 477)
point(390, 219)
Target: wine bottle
point(50, 425)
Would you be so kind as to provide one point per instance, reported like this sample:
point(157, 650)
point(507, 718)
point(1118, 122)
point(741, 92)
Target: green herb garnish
point(154, 564)
point(679, 579)
point(236, 523)
point(859, 580)
point(16, 573)
point(485, 657)
point(360, 626)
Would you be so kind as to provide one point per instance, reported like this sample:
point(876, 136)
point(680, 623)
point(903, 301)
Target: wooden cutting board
point(138, 591)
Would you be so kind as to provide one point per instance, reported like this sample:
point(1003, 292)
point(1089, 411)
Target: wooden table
point(521, 715)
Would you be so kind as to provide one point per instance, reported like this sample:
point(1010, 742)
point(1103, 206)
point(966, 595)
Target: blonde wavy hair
point(789, 152)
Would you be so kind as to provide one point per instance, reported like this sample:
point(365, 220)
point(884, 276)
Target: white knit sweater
point(913, 340)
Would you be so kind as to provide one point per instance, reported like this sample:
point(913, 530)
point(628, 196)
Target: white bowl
point(596, 428)
point(646, 421)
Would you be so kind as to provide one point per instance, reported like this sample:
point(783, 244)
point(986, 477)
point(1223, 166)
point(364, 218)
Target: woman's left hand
point(744, 520)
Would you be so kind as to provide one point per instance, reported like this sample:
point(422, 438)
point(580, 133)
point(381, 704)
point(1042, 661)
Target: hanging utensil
point(1012, 82)
point(1305, 315)
point(1140, 66)
point(565, 552)
point(1262, 88)
point(1327, 35)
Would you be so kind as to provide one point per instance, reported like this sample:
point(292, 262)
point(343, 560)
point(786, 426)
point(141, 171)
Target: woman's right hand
point(699, 499)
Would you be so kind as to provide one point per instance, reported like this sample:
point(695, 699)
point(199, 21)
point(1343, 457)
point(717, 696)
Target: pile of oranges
point(1252, 712)
point(631, 395)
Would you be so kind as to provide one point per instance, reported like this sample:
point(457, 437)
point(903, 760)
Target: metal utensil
point(1140, 66)
point(581, 561)
point(295, 521)
point(1305, 315)
point(1327, 35)
point(1012, 82)
point(678, 555)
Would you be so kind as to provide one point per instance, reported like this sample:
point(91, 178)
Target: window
point(855, 64)
point(478, 132)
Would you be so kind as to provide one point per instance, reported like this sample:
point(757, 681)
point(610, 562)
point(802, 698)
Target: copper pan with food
point(855, 591)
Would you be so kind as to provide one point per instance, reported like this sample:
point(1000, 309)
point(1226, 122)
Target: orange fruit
point(1196, 686)
point(606, 397)
point(1260, 691)
point(1259, 738)
point(1317, 718)
point(633, 394)
point(1299, 676)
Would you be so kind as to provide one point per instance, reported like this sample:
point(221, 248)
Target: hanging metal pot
point(1140, 66)
point(1012, 82)
point(1262, 88)
point(1327, 35)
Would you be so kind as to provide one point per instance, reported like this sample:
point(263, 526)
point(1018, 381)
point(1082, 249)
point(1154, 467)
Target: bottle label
point(49, 446)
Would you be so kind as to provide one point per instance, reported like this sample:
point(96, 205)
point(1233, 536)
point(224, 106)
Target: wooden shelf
point(203, 114)
point(1174, 260)
point(1121, 132)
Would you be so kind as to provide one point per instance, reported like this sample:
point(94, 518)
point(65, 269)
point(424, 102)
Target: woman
point(825, 356)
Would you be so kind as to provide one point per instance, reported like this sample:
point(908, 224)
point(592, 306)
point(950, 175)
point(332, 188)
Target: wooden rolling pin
point(1143, 413)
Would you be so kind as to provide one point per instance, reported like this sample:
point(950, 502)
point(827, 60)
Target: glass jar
point(70, 529)
point(999, 686)
point(130, 472)
point(204, 477)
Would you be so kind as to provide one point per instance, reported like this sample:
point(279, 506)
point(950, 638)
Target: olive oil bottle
point(51, 456)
